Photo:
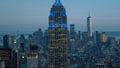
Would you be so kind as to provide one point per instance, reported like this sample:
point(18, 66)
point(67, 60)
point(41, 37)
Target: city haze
point(26, 16)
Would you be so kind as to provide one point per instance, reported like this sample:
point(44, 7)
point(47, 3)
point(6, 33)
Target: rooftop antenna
point(89, 13)
point(57, 1)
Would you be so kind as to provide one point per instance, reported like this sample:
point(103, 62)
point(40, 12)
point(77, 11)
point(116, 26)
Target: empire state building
point(57, 36)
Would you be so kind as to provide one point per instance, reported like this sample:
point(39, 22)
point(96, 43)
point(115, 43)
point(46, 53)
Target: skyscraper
point(89, 26)
point(57, 36)
point(79, 36)
point(38, 37)
point(103, 37)
point(97, 37)
point(33, 57)
point(84, 36)
point(72, 33)
point(6, 41)
point(46, 40)
point(22, 57)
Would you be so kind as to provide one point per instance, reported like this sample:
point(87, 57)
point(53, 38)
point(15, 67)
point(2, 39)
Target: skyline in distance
point(29, 15)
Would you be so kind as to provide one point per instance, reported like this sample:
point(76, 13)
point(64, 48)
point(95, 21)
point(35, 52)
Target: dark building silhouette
point(97, 37)
point(15, 56)
point(57, 37)
point(72, 33)
point(38, 37)
point(15, 59)
point(46, 40)
point(6, 41)
point(22, 39)
point(22, 57)
point(111, 40)
point(85, 36)
point(5, 58)
point(110, 65)
point(79, 36)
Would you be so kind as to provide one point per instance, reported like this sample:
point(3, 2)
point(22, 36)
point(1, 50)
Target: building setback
point(57, 37)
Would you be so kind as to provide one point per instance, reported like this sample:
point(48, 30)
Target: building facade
point(5, 58)
point(57, 37)
point(33, 57)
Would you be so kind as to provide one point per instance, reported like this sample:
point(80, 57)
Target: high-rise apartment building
point(57, 36)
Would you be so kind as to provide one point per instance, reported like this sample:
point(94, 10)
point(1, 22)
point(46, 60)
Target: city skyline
point(16, 15)
point(62, 43)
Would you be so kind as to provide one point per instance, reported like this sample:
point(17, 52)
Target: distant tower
point(97, 37)
point(103, 37)
point(89, 26)
point(46, 39)
point(21, 39)
point(6, 41)
point(79, 36)
point(111, 40)
point(22, 57)
point(57, 36)
point(33, 57)
point(72, 33)
point(84, 36)
point(38, 37)
point(100, 65)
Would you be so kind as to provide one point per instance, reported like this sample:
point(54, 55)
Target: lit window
point(23, 57)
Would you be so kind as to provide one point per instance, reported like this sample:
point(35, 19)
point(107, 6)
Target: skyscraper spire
point(89, 26)
point(89, 14)
point(57, 3)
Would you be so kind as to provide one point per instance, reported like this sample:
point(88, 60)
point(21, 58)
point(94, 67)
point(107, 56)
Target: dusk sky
point(26, 16)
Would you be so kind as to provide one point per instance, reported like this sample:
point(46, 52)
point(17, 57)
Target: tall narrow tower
point(57, 36)
point(6, 41)
point(89, 26)
point(72, 33)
